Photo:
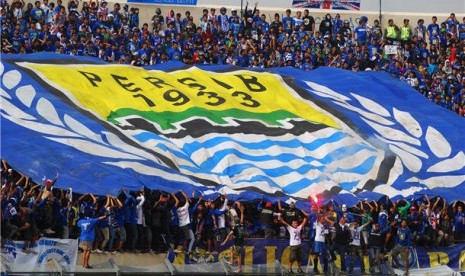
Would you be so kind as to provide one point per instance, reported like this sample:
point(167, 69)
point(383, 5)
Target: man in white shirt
point(355, 246)
point(295, 241)
point(185, 222)
point(140, 219)
point(319, 246)
point(221, 220)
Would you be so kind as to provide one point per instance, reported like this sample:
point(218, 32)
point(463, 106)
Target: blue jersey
point(235, 27)
point(361, 32)
point(433, 30)
point(337, 25)
point(288, 23)
point(461, 29)
point(403, 237)
point(223, 21)
point(87, 229)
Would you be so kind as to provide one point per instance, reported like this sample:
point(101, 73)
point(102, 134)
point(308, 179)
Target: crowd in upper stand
point(429, 57)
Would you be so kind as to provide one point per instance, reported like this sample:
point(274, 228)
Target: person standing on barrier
point(118, 224)
point(184, 222)
point(87, 237)
point(355, 247)
point(219, 218)
point(239, 234)
point(140, 220)
point(130, 221)
point(402, 245)
point(341, 241)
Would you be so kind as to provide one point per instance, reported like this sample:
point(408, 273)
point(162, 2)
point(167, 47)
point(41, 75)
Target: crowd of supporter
point(429, 57)
point(154, 221)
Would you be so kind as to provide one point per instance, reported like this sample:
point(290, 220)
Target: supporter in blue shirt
point(223, 20)
point(461, 30)
point(433, 29)
point(361, 31)
point(37, 14)
point(87, 237)
point(402, 245)
point(130, 220)
point(288, 22)
point(233, 16)
point(86, 205)
point(337, 24)
point(235, 26)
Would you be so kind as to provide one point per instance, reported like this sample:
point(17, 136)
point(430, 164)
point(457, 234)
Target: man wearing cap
point(361, 31)
point(49, 186)
point(233, 16)
point(292, 213)
point(266, 218)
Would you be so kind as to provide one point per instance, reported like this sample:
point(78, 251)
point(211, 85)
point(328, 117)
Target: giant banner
point(64, 251)
point(279, 134)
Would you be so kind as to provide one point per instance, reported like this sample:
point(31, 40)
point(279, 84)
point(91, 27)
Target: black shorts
point(209, 233)
point(185, 231)
point(296, 253)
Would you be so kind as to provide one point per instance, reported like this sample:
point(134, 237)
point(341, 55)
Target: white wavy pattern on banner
point(296, 162)
point(402, 133)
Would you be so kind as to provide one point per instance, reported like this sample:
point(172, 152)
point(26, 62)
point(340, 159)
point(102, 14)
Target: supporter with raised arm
point(185, 222)
point(140, 220)
point(376, 245)
point(220, 218)
point(87, 237)
point(320, 248)
point(355, 247)
point(266, 218)
point(295, 241)
point(239, 234)
point(341, 240)
point(292, 213)
point(130, 220)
